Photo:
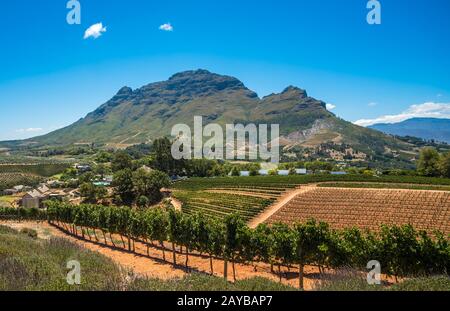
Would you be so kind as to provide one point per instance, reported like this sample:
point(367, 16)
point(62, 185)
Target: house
point(283, 172)
point(43, 189)
point(300, 171)
point(19, 188)
point(108, 178)
point(10, 191)
point(55, 184)
point(83, 168)
point(338, 173)
point(33, 199)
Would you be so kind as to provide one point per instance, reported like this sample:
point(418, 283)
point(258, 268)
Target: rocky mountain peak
point(295, 92)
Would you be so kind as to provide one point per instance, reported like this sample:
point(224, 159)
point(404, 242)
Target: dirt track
point(282, 201)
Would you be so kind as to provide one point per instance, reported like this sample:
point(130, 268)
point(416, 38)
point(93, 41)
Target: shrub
point(29, 232)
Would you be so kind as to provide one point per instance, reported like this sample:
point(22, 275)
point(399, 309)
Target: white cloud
point(166, 27)
point(331, 106)
point(30, 130)
point(426, 110)
point(372, 104)
point(94, 31)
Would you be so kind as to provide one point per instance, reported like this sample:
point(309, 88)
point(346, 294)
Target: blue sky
point(50, 76)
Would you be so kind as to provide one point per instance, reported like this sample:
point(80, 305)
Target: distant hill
point(149, 112)
point(425, 128)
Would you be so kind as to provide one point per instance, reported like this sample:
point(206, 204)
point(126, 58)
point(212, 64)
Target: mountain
point(141, 115)
point(425, 128)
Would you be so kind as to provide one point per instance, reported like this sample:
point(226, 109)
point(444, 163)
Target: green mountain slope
point(141, 115)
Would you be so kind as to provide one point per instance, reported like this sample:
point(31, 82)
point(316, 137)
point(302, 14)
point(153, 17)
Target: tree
point(162, 157)
point(311, 245)
point(428, 164)
point(235, 171)
point(102, 170)
point(233, 225)
point(174, 231)
point(91, 193)
point(86, 178)
point(261, 242)
point(142, 201)
point(123, 183)
point(121, 161)
point(282, 245)
point(254, 172)
point(157, 226)
point(200, 167)
point(103, 157)
point(149, 184)
point(444, 165)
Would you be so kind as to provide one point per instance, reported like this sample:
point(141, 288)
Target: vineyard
point(219, 205)
point(40, 169)
point(403, 251)
point(284, 182)
point(8, 180)
point(369, 208)
point(250, 196)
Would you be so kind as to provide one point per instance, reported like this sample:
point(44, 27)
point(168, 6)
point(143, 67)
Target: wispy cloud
point(94, 31)
point(372, 104)
point(426, 110)
point(166, 27)
point(30, 130)
point(331, 106)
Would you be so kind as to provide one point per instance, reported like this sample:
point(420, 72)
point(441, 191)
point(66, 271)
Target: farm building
point(42, 188)
point(338, 173)
point(33, 199)
point(263, 172)
point(10, 191)
point(300, 171)
point(83, 168)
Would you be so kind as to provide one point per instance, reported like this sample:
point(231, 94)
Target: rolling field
point(366, 202)
point(8, 180)
point(369, 208)
point(219, 205)
point(40, 169)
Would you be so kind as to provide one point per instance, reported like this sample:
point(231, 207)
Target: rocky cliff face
point(149, 112)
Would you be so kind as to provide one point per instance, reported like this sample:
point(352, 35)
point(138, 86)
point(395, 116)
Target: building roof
point(43, 189)
point(34, 194)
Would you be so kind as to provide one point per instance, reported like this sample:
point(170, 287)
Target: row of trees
point(400, 250)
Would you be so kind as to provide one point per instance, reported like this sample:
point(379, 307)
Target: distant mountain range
point(425, 128)
point(149, 112)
